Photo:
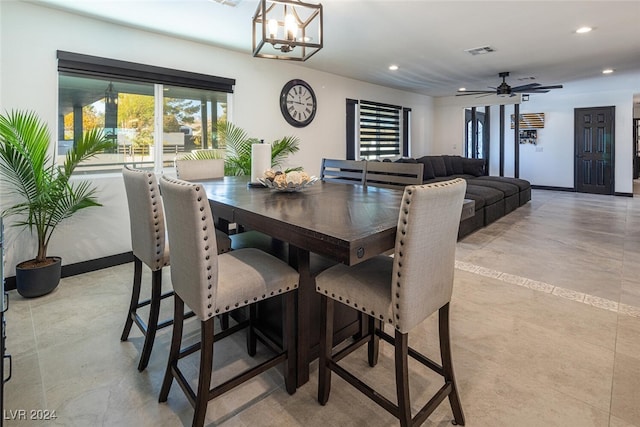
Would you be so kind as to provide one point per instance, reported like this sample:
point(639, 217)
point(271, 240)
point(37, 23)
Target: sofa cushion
point(507, 188)
point(473, 167)
point(456, 163)
point(521, 183)
point(490, 195)
point(448, 165)
point(439, 167)
point(428, 172)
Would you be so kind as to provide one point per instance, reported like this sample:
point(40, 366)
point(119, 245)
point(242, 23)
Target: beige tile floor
point(545, 328)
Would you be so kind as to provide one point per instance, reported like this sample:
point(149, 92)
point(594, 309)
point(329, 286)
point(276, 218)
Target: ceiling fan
point(504, 89)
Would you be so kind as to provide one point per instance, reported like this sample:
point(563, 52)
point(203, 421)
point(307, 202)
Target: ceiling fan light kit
point(504, 89)
point(287, 29)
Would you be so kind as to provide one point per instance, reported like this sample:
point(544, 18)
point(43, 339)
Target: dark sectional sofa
point(494, 196)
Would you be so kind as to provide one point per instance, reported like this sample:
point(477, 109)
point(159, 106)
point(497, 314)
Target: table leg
point(299, 259)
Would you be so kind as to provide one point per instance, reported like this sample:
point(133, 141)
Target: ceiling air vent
point(480, 50)
point(232, 3)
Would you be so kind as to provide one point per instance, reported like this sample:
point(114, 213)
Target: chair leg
point(224, 321)
point(402, 378)
point(289, 333)
point(174, 350)
point(447, 364)
point(135, 297)
point(204, 378)
point(326, 346)
point(373, 346)
point(251, 334)
point(154, 313)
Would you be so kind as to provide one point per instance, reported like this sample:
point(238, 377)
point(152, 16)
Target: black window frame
point(380, 114)
point(95, 66)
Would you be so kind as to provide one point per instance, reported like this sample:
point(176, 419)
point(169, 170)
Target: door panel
point(594, 143)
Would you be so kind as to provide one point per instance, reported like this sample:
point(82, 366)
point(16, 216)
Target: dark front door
point(594, 142)
point(476, 133)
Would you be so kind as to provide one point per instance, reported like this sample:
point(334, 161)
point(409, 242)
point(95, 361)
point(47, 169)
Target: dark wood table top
point(348, 223)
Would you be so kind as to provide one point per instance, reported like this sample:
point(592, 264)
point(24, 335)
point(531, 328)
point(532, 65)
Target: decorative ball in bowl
point(287, 182)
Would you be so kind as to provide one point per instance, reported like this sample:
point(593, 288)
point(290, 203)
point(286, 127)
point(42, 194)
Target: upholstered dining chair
point(199, 169)
point(212, 284)
point(150, 247)
point(401, 291)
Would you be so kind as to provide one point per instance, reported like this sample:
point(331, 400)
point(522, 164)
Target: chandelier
point(287, 29)
point(110, 95)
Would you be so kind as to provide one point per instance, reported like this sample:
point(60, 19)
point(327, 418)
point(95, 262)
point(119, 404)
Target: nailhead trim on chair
point(219, 310)
point(403, 231)
point(239, 304)
point(158, 262)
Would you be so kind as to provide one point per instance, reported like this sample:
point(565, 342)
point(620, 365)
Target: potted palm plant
point(41, 192)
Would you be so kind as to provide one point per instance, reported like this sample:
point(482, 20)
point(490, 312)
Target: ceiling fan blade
point(525, 87)
point(475, 92)
point(549, 87)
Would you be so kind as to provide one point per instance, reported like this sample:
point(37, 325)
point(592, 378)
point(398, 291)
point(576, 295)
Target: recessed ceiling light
point(462, 89)
point(607, 71)
point(583, 30)
point(393, 67)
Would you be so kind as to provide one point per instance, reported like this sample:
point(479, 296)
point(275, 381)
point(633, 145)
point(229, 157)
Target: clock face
point(298, 103)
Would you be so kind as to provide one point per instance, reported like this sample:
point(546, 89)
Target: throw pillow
point(456, 162)
point(439, 167)
point(473, 167)
point(427, 172)
point(406, 160)
point(448, 165)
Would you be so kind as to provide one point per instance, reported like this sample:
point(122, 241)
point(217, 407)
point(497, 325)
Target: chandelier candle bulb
point(291, 27)
point(273, 28)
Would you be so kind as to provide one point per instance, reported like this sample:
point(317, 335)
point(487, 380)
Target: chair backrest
point(194, 253)
point(146, 217)
point(424, 259)
point(343, 171)
point(393, 175)
point(198, 170)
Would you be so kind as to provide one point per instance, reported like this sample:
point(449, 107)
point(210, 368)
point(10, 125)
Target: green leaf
point(42, 191)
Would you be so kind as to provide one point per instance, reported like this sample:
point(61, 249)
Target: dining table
point(342, 223)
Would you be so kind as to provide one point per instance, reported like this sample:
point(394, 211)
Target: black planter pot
point(35, 282)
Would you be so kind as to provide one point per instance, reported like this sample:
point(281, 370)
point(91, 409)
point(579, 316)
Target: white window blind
point(379, 130)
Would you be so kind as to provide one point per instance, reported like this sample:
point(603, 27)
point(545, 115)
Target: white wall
point(31, 34)
point(551, 162)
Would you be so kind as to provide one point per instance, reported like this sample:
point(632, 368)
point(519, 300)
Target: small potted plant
point(41, 192)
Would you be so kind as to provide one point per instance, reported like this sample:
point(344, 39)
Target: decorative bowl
point(290, 187)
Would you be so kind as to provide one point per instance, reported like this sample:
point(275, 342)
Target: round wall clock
point(298, 103)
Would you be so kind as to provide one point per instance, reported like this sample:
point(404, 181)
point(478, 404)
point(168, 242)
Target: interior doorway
point(594, 145)
point(476, 133)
